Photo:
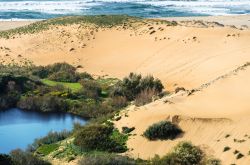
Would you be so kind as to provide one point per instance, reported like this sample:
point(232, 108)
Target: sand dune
point(206, 118)
point(6, 25)
point(181, 56)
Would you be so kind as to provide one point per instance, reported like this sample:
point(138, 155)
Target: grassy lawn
point(73, 86)
point(46, 149)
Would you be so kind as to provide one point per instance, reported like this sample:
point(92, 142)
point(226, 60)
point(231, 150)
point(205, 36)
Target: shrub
point(183, 154)
point(127, 130)
point(98, 137)
point(162, 130)
point(85, 76)
point(40, 71)
point(212, 161)
point(106, 159)
point(51, 137)
point(62, 72)
point(134, 84)
point(145, 97)
point(178, 89)
point(119, 101)
point(226, 149)
point(187, 154)
point(20, 157)
point(91, 89)
point(43, 103)
point(5, 159)
point(91, 108)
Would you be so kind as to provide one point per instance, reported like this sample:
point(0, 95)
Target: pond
point(19, 128)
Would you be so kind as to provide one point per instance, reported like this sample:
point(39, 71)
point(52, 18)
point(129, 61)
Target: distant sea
point(43, 9)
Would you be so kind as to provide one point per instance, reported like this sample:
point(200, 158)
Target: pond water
point(19, 128)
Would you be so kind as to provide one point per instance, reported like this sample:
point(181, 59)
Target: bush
point(106, 159)
point(11, 89)
point(127, 130)
point(62, 72)
point(20, 157)
point(212, 161)
point(162, 130)
point(43, 103)
point(183, 154)
point(146, 96)
point(91, 108)
point(85, 76)
point(134, 84)
point(98, 137)
point(51, 137)
point(119, 101)
point(5, 159)
point(91, 89)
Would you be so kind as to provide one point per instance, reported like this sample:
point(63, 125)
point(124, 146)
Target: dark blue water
point(19, 128)
point(42, 9)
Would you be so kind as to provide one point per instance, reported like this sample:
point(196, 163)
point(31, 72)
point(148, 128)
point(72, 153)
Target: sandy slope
point(183, 56)
point(206, 118)
point(179, 56)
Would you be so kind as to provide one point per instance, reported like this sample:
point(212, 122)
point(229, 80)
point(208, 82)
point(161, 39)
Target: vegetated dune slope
point(178, 55)
point(181, 57)
point(206, 118)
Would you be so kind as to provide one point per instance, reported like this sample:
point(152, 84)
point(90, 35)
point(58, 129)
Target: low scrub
point(106, 159)
point(50, 138)
point(100, 137)
point(163, 130)
point(183, 154)
point(5, 159)
point(135, 84)
point(146, 96)
point(127, 130)
point(20, 157)
point(47, 149)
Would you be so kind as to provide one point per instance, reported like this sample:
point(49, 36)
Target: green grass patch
point(46, 149)
point(107, 81)
point(73, 86)
point(119, 137)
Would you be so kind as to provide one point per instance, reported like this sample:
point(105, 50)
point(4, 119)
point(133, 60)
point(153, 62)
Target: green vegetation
point(104, 21)
point(20, 157)
point(107, 159)
point(50, 138)
point(212, 161)
point(72, 86)
point(183, 154)
point(98, 20)
point(162, 130)
point(5, 159)
point(127, 130)
point(135, 85)
point(100, 137)
point(60, 88)
point(47, 149)
point(60, 72)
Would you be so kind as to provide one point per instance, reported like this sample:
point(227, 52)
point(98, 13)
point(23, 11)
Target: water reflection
point(19, 128)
